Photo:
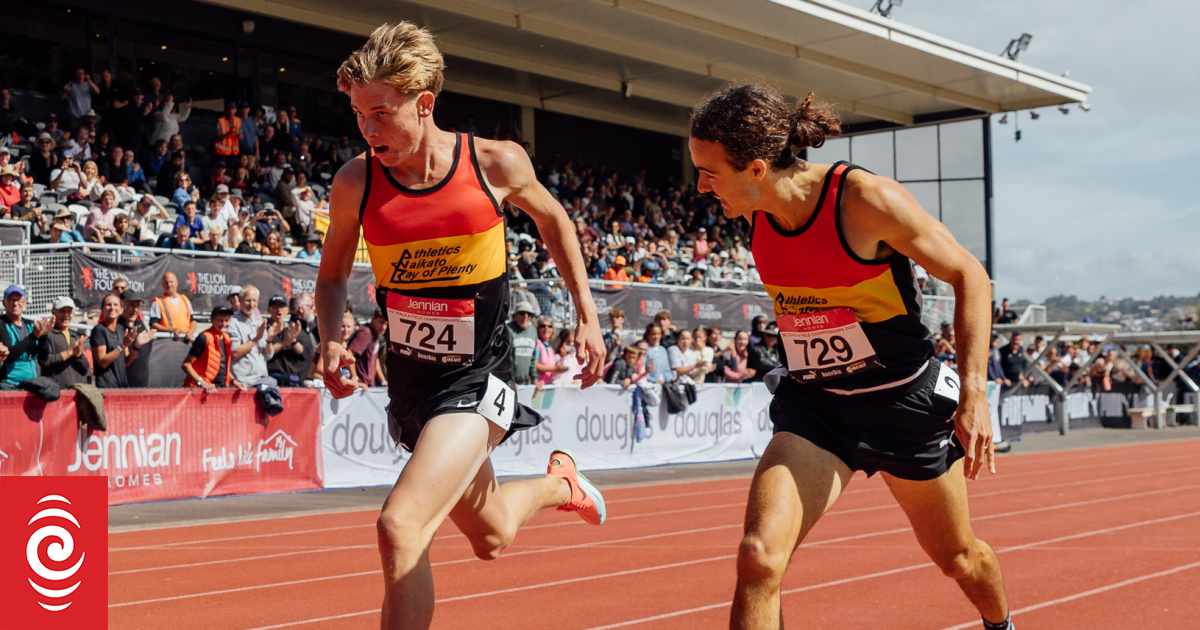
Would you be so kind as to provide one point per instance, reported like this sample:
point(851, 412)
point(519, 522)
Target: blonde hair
point(402, 55)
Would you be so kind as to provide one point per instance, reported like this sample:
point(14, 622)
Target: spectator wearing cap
point(208, 362)
point(524, 343)
point(171, 312)
point(229, 211)
point(616, 273)
point(248, 140)
point(44, 160)
point(312, 248)
point(61, 230)
point(61, 355)
point(249, 336)
point(293, 344)
point(68, 176)
point(131, 313)
point(99, 225)
point(364, 344)
point(114, 347)
point(78, 96)
point(10, 188)
point(229, 134)
point(20, 341)
point(764, 357)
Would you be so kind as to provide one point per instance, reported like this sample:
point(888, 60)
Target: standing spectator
point(365, 347)
point(131, 313)
point(292, 344)
point(658, 359)
point(614, 339)
point(733, 363)
point(546, 361)
point(61, 357)
point(172, 311)
point(78, 96)
point(68, 176)
point(663, 321)
point(212, 351)
point(524, 343)
point(229, 135)
point(764, 357)
point(8, 113)
point(20, 342)
point(158, 157)
point(249, 338)
point(155, 97)
point(684, 360)
point(249, 130)
point(756, 327)
point(305, 207)
point(168, 179)
point(1012, 361)
point(704, 353)
point(113, 346)
point(166, 120)
point(1004, 314)
point(995, 369)
point(129, 119)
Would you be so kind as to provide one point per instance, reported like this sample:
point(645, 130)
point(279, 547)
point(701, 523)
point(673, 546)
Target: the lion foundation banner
point(168, 444)
point(206, 280)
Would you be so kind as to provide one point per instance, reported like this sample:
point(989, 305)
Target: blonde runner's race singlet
point(844, 322)
point(438, 255)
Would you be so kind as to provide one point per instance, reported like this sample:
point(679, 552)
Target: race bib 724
point(432, 330)
point(825, 345)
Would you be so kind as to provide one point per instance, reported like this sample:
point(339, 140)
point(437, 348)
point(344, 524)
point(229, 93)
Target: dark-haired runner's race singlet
point(844, 322)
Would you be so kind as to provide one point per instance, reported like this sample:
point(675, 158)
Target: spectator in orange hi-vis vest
point(172, 311)
point(208, 362)
point(616, 273)
point(229, 134)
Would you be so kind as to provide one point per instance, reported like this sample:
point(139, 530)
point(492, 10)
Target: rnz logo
point(54, 550)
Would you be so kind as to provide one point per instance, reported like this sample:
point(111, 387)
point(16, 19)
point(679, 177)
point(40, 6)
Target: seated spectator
point(365, 347)
point(20, 342)
point(68, 176)
point(214, 240)
point(312, 248)
point(99, 226)
point(184, 192)
point(248, 245)
point(213, 353)
point(283, 190)
point(121, 234)
point(291, 344)
point(10, 188)
point(248, 335)
point(61, 230)
point(524, 342)
point(172, 311)
point(274, 246)
point(616, 273)
point(214, 216)
point(547, 361)
point(145, 213)
point(765, 357)
point(44, 160)
point(114, 347)
point(181, 238)
point(27, 207)
point(189, 216)
point(135, 176)
point(61, 356)
point(268, 220)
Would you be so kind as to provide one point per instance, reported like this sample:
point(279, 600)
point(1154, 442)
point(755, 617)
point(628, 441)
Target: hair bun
point(812, 124)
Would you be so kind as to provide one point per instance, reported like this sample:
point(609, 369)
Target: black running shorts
point(905, 431)
point(408, 415)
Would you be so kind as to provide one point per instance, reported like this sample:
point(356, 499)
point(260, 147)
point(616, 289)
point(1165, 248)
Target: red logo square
point(53, 553)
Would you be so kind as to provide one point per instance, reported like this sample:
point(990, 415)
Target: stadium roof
point(580, 57)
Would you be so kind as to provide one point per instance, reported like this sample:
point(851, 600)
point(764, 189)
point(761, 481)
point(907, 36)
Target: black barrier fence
point(1030, 408)
point(206, 280)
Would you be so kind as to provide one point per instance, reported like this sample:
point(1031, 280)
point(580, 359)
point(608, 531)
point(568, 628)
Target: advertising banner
point(1031, 407)
point(206, 280)
point(168, 444)
point(354, 436)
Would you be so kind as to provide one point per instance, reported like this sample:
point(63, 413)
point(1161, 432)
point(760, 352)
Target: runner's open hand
point(336, 357)
point(590, 348)
point(973, 427)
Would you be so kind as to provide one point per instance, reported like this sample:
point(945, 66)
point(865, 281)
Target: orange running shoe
point(585, 496)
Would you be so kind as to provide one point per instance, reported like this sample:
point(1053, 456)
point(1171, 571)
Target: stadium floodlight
point(886, 11)
point(1034, 115)
point(1085, 107)
point(1064, 110)
point(1017, 46)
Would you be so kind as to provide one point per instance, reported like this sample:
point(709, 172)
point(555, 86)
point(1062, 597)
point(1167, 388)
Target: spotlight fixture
point(886, 11)
point(1004, 119)
point(1017, 46)
point(1034, 115)
point(1064, 110)
point(1085, 107)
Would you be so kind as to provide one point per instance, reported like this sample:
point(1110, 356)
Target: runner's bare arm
point(337, 260)
point(507, 168)
point(880, 215)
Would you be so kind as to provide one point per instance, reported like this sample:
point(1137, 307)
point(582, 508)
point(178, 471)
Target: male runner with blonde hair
point(429, 205)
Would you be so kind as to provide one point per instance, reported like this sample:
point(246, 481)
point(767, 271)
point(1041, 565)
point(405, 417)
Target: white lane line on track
point(1088, 593)
point(924, 565)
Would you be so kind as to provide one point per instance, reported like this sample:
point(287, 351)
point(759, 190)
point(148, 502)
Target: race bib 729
point(432, 330)
point(825, 345)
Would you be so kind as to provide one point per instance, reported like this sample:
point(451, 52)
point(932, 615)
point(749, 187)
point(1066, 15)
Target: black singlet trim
point(753, 227)
point(362, 207)
point(479, 174)
point(837, 222)
point(812, 218)
point(434, 188)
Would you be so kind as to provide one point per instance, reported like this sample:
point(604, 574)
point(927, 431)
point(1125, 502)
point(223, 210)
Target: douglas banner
point(206, 280)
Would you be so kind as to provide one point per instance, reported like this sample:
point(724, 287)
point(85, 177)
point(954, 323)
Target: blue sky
point(1104, 202)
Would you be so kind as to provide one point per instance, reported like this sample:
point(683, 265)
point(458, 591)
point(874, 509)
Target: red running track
point(1103, 538)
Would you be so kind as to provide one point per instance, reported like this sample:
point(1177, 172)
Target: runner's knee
point(488, 547)
point(399, 535)
point(957, 564)
point(758, 562)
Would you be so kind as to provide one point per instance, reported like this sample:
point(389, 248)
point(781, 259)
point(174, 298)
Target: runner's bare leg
point(449, 457)
point(489, 514)
point(940, 517)
point(795, 484)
